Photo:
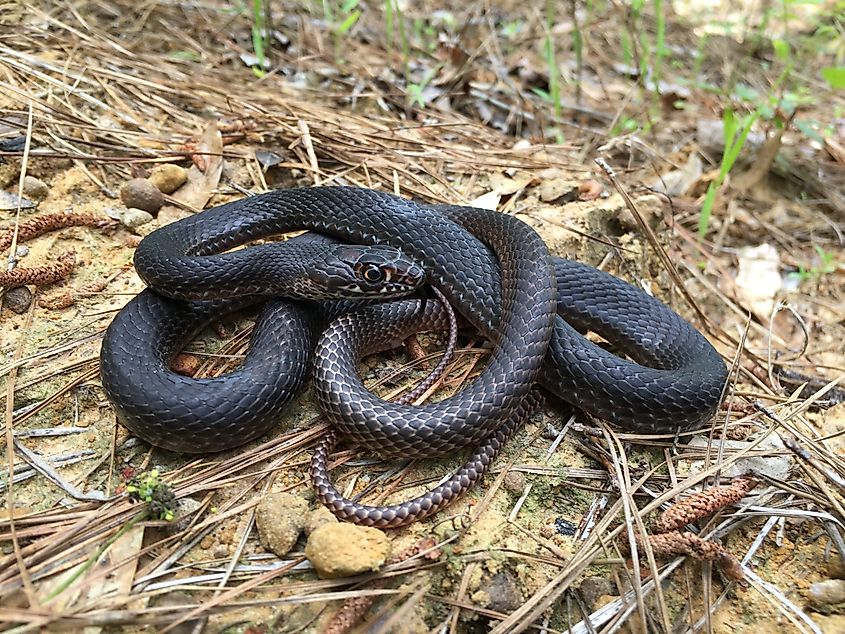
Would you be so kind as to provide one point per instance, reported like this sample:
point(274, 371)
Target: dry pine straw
point(365, 149)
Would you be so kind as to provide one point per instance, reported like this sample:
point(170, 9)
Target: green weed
point(826, 264)
point(340, 17)
point(260, 37)
point(736, 132)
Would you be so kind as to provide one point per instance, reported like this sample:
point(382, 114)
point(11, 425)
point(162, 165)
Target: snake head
point(355, 272)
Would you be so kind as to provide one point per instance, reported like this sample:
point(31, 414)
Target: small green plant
point(185, 56)
point(835, 76)
point(511, 29)
point(145, 487)
point(260, 37)
point(551, 65)
point(340, 18)
point(826, 264)
point(625, 125)
point(149, 488)
point(415, 91)
point(736, 132)
point(393, 18)
point(659, 46)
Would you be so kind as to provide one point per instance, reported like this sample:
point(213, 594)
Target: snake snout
point(355, 271)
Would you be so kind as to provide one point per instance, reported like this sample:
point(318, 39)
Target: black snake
point(501, 279)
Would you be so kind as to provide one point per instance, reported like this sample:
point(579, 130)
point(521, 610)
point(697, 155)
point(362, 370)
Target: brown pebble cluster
point(703, 504)
point(40, 275)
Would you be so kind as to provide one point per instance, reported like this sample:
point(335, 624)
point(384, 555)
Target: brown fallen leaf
point(201, 185)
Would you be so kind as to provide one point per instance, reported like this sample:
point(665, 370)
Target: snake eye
point(373, 274)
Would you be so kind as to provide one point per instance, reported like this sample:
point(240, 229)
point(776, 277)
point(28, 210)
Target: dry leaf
point(679, 182)
point(589, 190)
point(507, 185)
point(202, 185)
point(490, 201)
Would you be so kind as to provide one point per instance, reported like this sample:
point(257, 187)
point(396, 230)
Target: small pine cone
point(349, 615)
point(704, 503)
point(683, 543)
point(40, 275)
point(49, 222)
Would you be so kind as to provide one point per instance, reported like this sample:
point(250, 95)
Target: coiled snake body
point(504, 283)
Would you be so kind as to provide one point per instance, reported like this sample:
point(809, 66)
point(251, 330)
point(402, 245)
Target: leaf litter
point(462, 117)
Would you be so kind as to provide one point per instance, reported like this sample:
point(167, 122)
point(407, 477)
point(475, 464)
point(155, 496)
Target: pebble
point(316, 518)
point(185, 510)
point(168, 178)
point(592, 588)
point(500, 593)
point(35, 188)
point(22, 251)
point(132, 218)
point(514, 482)
point(141, 194)
point(280, 518)
point(828, 592)
point(344, 550)
point(185, 364)
point(18, 299)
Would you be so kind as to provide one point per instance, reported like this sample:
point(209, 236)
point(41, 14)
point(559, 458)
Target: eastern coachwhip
point(681, 389)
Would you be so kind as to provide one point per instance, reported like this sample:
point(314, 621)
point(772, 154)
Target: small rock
point(10, 202)
point(35, 188)
point(168, 178)
point(828, 592)
point(141, 194)
point(132, 218)
point(344, 550)
point(185, 509)
point(280, 518)
point(115, 213)
point(18, 299)
point(185, 364)
point(500, 593)
point(514, 482)
point(22, 251)
point(592, 588)
point(316, 518)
